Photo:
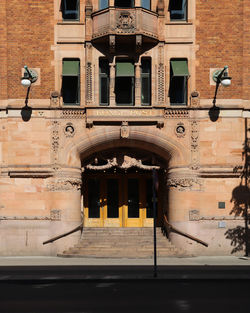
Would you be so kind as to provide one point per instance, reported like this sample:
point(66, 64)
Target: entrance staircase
point(122, 243)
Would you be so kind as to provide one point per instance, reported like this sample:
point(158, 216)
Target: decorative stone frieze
point(194, 145)
point(72, 113)
point(55, 142)
point(89, 78)
point(185, 184)
point(67, 184)
point(176, 113)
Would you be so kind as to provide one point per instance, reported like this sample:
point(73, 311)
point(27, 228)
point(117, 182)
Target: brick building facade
point(123, 87)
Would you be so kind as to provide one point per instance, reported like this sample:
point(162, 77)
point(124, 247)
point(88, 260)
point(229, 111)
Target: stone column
point(112, 84)
point(184, 193)
point(137, 84)
point(64, 198)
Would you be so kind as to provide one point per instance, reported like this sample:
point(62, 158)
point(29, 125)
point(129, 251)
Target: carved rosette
point(125, 22)
point(185, 184)
point(67, 184)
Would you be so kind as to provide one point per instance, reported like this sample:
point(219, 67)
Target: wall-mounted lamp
point(29, 77)
point(221, 77)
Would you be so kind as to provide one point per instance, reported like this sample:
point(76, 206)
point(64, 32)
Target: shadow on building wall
point(240, 235)
point(26, 111)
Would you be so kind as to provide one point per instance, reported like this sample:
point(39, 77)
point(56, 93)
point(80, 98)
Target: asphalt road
point(126, 295)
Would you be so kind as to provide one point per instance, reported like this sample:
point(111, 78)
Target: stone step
point(121, 242)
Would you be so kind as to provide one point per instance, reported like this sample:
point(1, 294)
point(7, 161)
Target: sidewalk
point(171, 261)
point(43, 269)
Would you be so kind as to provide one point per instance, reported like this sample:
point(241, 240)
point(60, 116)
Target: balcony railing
point(129, 21)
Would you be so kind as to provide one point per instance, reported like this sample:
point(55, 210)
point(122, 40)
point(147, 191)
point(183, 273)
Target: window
point(104, 81)
point(70, 9)
point(178, 81)
point(124, 3)
point(103, 4)
point(124, 82)
point(146, 81)
point(178, 9)
point(146, 4)
point(71, 81)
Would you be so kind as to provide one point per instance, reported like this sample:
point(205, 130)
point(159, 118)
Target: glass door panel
point(133, 198)
point(112, 198)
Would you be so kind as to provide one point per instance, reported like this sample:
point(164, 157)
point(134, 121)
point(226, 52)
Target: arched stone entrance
point(173, 158)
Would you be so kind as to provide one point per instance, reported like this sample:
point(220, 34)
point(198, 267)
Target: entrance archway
point(118, 188)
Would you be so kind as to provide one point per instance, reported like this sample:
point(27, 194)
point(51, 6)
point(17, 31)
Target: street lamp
point(29, 77)
point(221, 77)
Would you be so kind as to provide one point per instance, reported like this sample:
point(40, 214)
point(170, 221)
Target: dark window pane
point(104, 81)
point(124, 90)
point(70, 9)
point(103, 4)
point(113, 198)
point(124, 3)
point(133, 198)
point(70, 89)
point(177, 9)
point(177, 91)
point(145, 90)
point(146, 4)
point(103, 66)
point(146, 66)
point(104, 90)
point(94, 198)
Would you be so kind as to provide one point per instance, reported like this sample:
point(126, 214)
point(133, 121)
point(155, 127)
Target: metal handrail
point(80, 227)
point(170, 228)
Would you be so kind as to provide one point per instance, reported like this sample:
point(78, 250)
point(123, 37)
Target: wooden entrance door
point(118, 200)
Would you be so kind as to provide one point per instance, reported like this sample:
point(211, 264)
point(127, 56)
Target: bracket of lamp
point(30, 76)
point(221, 77)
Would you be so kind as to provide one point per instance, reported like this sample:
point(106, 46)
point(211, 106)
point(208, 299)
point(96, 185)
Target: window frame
point(132, 83)
point(72, 75)
point(172, 89)
point(107, 77)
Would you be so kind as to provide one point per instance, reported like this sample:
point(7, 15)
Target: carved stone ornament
point(184, 184)
point(124, 130)
point(195, 99)
point(69, 130)
point(125, 22)
point(65, 185)
point(180, 130)
point(125, 163)
point(55, 215)
point(194, 215)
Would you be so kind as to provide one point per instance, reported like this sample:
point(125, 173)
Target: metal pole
point(154, 210)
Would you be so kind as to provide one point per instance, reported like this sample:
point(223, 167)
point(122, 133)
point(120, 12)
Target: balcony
point(118, 26)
